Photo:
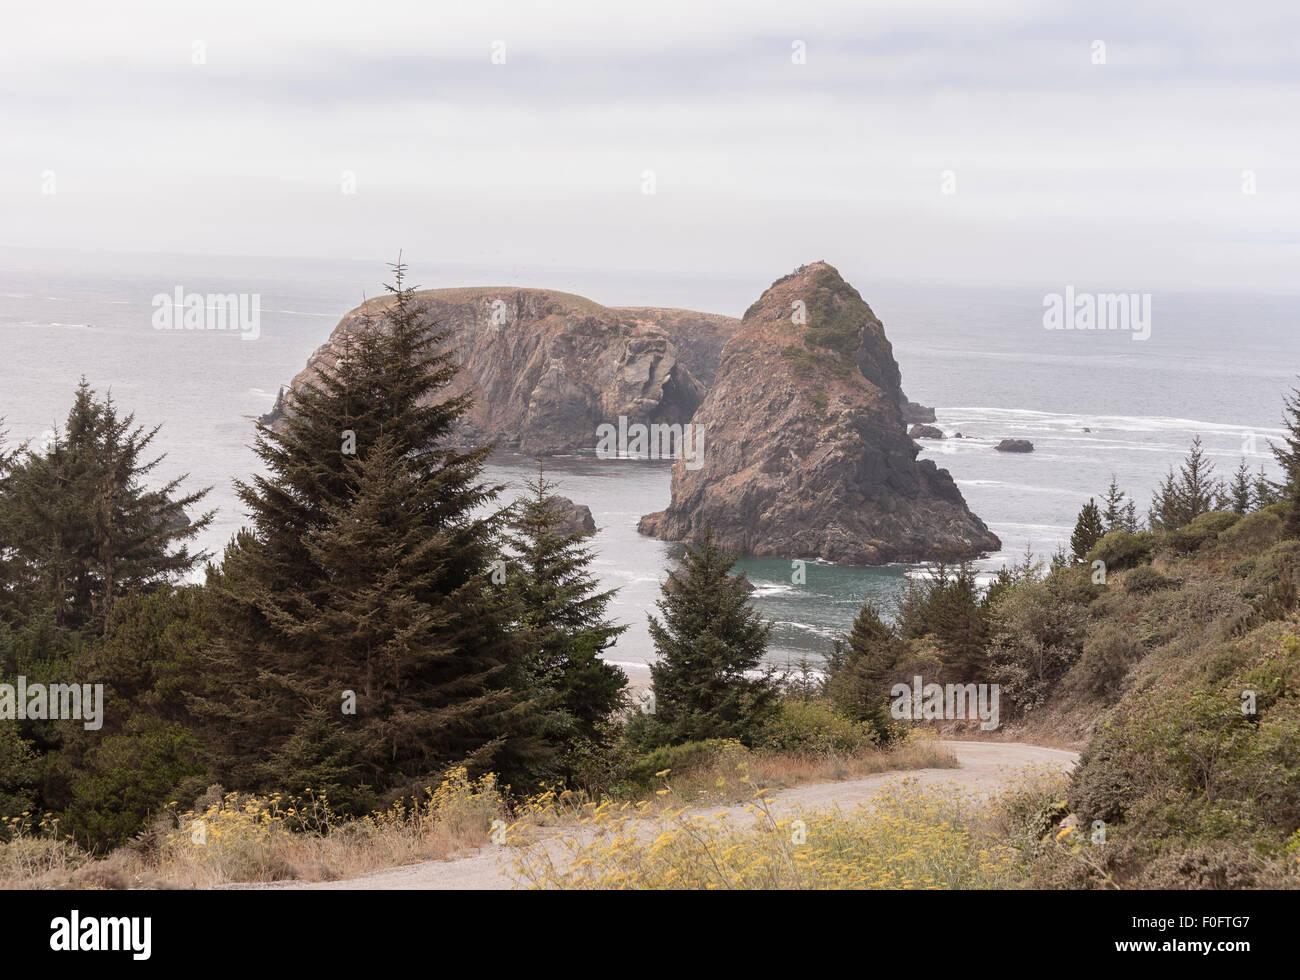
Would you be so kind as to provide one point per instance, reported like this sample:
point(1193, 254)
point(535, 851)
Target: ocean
point(1094, 403)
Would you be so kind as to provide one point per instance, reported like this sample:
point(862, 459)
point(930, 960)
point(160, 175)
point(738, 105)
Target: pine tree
point(562, 615)
point(82, 527)
point(947, 605)
point(1130, 517)
point(709, 641)
point(1241, 491)
point(860, 668)
point(1186, 496)
point(1288, 458)
point(1088, 530)
point(365, 570)
point(1119, 512)
point(1264, 490)
point(1165, 513)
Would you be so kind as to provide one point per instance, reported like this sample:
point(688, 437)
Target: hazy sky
point(231, 128)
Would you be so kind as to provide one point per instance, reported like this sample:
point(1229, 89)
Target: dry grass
point(903, 838)
point(715, 783)
point(237, 838)
point(256, 839)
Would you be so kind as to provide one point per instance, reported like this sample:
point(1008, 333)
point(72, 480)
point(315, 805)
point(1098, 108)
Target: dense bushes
point(1145, 579)
point(683, 758)
point(1108, 654)
point(1036, 639)
point(1121, 549)
point(815, 727)
point(1200, 532)
point(1188, 767)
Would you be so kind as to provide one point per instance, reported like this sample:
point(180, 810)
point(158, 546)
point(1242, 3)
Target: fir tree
point(709, 641)
point(1264, 490)
point(82, 527)
point(365, 570)
point(1088, 530)
point(1241, 492)
point(860, 668)
point(947, 605)
point(562, 615)
point(1193, 491)
point(1287, 455)
point(1118, 513)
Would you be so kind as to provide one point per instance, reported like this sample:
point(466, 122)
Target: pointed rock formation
point(806, 452)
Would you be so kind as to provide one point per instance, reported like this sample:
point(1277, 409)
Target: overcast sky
point(231, 128)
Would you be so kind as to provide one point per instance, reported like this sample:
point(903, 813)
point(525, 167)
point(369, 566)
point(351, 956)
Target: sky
point(1118, 146)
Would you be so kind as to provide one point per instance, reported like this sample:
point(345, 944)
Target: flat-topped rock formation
point(546, 368)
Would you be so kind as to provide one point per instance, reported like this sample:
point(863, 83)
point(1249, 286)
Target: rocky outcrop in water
point(547, 368)
point(806, 452)
point(1015, 446)
point(577, 517)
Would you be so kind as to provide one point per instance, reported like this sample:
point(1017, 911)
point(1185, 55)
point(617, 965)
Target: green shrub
point(1251, 535)
point(129, 777)
point(680, 759)
point(19, 775)
point(1145, 579)
point(1108, 653)
point(1036, 639)
point(1204, 529)
point(1120, 550)
point(815, 727)
point(1189, 764)
point(1274, 563)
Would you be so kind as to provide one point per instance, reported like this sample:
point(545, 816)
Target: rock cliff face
point(546, 368)
point(806, 452)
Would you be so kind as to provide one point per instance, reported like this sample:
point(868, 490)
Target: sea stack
point(807, 453)
point(546, 368)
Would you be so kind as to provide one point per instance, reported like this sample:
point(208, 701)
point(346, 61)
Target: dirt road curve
point(986, 767)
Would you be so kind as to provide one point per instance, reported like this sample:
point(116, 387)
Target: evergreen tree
point(365, 570)
point(1118, 513)
point(1241, 491)
point(1184, 497)
point(860, 668)
point(1088, 530)
point(1165, 513)
point(562, 615)
point(1264, 490)
point(1131, 524)
point(709, 640)
point(1288, 458)
point(947, 605)
point(82, 528)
